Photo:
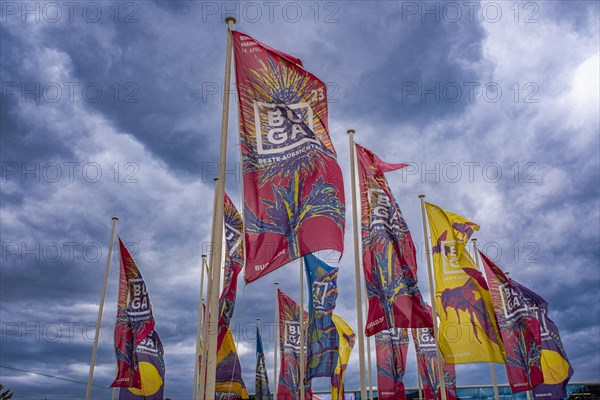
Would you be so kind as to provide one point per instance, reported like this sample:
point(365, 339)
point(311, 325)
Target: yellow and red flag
point(293, 186)
point(135, 321)
point(469, 330)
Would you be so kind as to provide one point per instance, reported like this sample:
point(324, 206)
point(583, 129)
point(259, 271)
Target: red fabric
point(293, 185)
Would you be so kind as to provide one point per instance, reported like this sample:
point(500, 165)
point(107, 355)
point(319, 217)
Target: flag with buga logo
point(322, 337)
point(135, 320)
point(425, 347)
point(519, 327)
point(389, 256)
point(555, 365)
point(391, 347)
point(293, 185)
point(261, 391)
point(289, 345)
point(234, 262)
point(469, 330)
point(152, 371)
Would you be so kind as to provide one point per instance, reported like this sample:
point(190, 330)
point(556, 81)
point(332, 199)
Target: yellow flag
point(345, 348)
point(229, 373)
point(469, 330)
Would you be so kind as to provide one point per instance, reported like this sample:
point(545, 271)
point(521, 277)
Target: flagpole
point(199, 332)
point(433, 305)
point(366, 301)
point(357, 279)
point(302, 355)
point(275, 340)
point(213, 315)
point(88, 390)
point(420, 383)
point(492, 370)
point(209, 271)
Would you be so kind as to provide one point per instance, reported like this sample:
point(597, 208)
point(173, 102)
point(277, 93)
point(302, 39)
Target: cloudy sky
point(115, 109)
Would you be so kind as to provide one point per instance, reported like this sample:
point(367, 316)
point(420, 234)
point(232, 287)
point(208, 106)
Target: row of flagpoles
point(294, 206)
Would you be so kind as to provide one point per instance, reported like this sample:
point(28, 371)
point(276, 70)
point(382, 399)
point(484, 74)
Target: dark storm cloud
point(154, 135)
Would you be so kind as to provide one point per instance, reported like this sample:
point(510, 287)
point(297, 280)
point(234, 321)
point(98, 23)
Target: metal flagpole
point(302, 348)
point(492, 370)
point(88, 390)
point(357, 279)
point(199, 333)
point(217, 239)
point(433, 306)
point(275, 340)
point(202, 366)
point(419, 382)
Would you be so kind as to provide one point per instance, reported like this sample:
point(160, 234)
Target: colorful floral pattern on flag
point(555, 365)
point(261, 380)
point(322, 338)
point(289, 346)
point(391, 347)
point(389, 257)
point(152, 371)
point(469, 330)
point(519, 327)
point(347, 339)
point(135, 320)
point(425, 346)
point(293, 185)
point(234, 262)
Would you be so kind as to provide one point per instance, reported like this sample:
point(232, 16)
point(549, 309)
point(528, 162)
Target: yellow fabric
point(463, 339)
point(554, 367)
point(344, 350)
point(227, 347)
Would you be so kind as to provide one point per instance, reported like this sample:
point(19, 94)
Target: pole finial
point(230, 18)
point(204, 256)
point(216, 179)
point(115, 218)
point(474, 239)
point(421, 196)
point(276, 283)
point(351, 131)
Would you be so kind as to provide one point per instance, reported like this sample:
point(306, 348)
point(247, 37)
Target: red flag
point(519, 327)
point(134, 320)
point(391, 347)
point(234, 262)
point(289, 346)
point(389, 257)
point(293, 186)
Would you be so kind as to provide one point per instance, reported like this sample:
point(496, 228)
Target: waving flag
point(425, 346)
point(289, 345)
point(519, 327)
point(234, 262)
point(293, 186)
point(391, 347)
point(469, 329)
point(135, 321)
point(389, 257)
point(229, 382)
point(347, 339)
point(262, 381)
point(152, 371)
point(322, 338)
point(555, 365)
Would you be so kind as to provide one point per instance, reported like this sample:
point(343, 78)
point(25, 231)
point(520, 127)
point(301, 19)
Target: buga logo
point(291, 335)
point(139, 302)
point(426, 338)
point(282, 127)
point(383, 211)
point(450, 262)
point(233, 238)
point(512, 305)
point(320, 294)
